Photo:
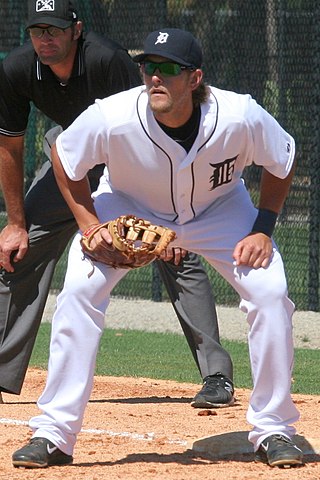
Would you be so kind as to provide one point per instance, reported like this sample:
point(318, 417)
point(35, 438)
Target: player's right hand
point(14, 242)
point(173, 254)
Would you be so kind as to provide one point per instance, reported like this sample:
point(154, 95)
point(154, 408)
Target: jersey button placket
point(184, 182)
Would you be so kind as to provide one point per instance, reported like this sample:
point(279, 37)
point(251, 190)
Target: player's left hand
point(255, 251)
point(173, 254)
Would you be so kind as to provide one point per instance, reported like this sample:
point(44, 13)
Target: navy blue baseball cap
point(177, 45)
point(58, 13)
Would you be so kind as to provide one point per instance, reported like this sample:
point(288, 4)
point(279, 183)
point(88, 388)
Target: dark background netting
point(268, 48)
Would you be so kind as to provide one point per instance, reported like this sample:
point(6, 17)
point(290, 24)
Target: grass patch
point(132, 353)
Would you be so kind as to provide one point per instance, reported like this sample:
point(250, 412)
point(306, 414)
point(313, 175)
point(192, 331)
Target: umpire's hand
point(13, 246)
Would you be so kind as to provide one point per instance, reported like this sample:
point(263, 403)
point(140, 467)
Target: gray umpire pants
point(24, 292)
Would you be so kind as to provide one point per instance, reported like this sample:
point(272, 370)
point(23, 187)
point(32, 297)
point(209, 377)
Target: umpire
point(62, 71)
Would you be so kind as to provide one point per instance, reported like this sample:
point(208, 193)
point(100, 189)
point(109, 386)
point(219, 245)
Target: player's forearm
point(12, 180)
point(77, 194)
point(274, 191)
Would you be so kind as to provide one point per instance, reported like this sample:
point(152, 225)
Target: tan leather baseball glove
point(135, 242)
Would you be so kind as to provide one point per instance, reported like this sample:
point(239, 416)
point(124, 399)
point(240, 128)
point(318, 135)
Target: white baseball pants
point(79, 320)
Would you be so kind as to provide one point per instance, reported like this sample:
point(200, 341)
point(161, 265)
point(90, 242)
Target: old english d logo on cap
point(45, 6)
point(162, 38)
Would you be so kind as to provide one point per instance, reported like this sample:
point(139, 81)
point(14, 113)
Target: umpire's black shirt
point(101, 68)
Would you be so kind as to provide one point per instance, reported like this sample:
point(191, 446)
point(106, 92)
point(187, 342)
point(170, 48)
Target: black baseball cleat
point(279, 451)
point(40, 453)
point(217, 392)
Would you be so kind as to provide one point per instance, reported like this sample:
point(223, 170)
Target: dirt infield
point(145, 429)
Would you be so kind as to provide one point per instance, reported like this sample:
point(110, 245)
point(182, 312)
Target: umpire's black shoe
point(279, 451)
point(40, 453)
point(217, 391)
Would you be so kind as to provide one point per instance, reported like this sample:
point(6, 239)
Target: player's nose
point(156, 79)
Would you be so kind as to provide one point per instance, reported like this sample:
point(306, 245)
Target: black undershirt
point(187, 133)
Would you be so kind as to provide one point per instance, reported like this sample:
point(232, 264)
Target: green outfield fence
point(270, 49)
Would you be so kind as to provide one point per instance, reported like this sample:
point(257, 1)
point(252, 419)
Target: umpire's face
point(55, 45)
point(169, 88)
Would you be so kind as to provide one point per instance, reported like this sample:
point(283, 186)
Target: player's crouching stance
point(194, 188)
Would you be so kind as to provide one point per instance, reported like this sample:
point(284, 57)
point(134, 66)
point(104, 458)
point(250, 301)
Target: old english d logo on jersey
point(45, 6)
point(222, 172)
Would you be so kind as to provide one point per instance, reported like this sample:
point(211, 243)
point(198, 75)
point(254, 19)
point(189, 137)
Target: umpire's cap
point(174, 44)
point(59, 13)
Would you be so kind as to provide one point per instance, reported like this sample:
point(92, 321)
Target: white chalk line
point(147, 437)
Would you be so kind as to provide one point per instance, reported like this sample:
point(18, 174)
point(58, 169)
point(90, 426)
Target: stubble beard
point(161, 106)
point(51, 59)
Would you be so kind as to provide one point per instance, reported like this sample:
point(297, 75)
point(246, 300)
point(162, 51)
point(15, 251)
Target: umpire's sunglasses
point(38, 32)
point(167, 69)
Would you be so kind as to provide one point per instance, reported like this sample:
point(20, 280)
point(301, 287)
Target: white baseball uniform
point(201, 196)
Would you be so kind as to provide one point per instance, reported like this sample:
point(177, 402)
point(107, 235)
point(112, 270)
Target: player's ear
point(196, 78)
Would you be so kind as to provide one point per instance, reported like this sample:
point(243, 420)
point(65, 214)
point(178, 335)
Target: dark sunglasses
point(167, 69)
point(38, 32)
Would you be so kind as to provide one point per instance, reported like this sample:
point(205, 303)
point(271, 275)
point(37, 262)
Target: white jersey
point(145, 164)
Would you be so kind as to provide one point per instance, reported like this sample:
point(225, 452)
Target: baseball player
point(62, 71)
point(192, 142)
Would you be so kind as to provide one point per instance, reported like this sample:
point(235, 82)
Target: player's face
point(53, 49)
point(170, 96)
